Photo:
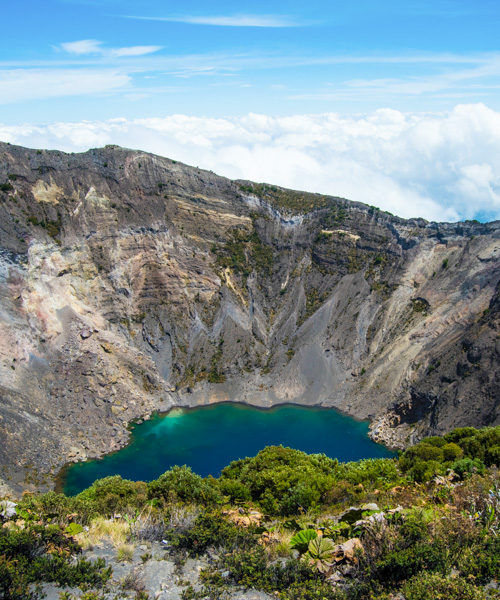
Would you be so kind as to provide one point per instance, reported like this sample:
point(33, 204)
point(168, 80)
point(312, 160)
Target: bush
point(209, 529)
point(44, 553)
point(403, 563)
point(58, 508)
point(466, 466)
point(234, 490)
point(421, 462)
point(14, 585)
point(451, 452)
point(377, 472)
point(114, 494)
point(425, 586)
point(283, 480)
point(181, 484)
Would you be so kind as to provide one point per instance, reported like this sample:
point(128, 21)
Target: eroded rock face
point(132, 283)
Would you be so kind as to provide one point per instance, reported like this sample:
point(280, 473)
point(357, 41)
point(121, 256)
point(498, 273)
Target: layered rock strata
point(132, 283)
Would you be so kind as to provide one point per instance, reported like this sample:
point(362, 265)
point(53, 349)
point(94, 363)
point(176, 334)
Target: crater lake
point(207, 439)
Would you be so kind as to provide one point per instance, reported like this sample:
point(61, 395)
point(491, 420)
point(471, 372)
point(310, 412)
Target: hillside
point(133, 283)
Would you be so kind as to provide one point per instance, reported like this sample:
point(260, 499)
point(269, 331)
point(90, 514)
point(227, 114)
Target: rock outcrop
point(132, 283)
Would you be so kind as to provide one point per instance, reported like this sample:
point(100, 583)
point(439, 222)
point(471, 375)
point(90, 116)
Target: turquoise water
point(207, 439)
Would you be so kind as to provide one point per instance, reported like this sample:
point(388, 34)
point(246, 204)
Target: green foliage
point(403, 563)
point(244, 252)
point(446, 527)
point(73, 529)
point(319, 555)
point(293, 201)
point(251, 568)
point(456, 450)
point(14, 584)
point(181, 484)
point(283, 480)
point(56, 508)
point(426, 585)
point(234, 490)
point(451, 452)
point(377, 472)
point(210, 529)
point(467, 466)
point(43, 554)
point(114, 494)
point(6, 187)
point(301, 540)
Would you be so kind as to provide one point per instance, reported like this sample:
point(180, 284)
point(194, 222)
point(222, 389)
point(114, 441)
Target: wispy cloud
point(88, 47)
point(18, 85)
point(481, 76)
point(82, 47)
point(227, 21)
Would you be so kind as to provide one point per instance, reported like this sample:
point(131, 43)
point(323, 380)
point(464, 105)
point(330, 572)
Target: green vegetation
point(53, 227)
point(465, 450)
point(42, 553)
point(290, 200)
point(420, 305)
point(244, 252)
point(297, 526)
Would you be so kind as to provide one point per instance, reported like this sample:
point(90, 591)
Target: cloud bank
point(443, 167)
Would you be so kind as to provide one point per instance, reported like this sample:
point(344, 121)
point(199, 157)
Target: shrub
point(451, 452)
point(427, 585)
point(181, 484)
point(114, 494)
point(458, 434)
point(466, 466)
point(58, 508)
point(403, 563)
point(374, 472)
point(283, 480)
point(39, 554)
point(209, 529)
point(235, 490)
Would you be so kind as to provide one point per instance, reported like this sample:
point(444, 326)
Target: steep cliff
point(131, 283)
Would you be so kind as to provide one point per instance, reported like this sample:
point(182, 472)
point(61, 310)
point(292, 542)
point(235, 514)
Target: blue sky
point(95, 61)
point(150, 58)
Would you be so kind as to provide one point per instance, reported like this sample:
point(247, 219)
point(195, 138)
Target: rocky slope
point(131, 283)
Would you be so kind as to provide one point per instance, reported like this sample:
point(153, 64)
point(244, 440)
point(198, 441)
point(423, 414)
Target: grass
point(125, 553)
point(111, 530)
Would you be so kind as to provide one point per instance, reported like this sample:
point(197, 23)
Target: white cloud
point(135, 50)
point(18, 85)
point(84, 47)
point(228, 21)
point(437, 166)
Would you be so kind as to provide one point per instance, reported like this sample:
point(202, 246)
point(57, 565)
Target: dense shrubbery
point(465, 450)
point(285, 481)
point(181, 484)
point(43, 554)
point(437, 537)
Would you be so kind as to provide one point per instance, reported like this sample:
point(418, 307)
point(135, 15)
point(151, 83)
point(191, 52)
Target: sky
point(396, 104)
